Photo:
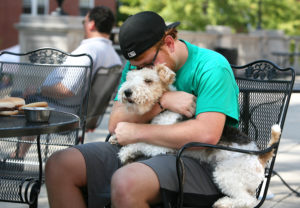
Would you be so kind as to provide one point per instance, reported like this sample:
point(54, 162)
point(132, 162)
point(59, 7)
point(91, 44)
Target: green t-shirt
point(207, 75)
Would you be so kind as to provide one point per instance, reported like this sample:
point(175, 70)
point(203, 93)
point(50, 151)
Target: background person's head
point(100, 19)
point(142, 38)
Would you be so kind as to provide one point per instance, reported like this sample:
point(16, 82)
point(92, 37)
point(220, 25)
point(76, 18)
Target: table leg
point(38, 143)
point(37, 186)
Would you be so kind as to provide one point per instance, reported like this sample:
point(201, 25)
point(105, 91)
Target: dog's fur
point(237, 175)
point(141, 90)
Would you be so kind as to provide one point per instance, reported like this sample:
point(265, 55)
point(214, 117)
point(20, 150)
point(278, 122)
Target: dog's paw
point(224, 202)
point(113, 139)
point(240, 202)
point(125, 158)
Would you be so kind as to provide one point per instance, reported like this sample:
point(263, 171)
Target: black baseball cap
point(140, 32)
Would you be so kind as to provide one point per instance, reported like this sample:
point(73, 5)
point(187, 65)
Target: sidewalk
point(287, 163)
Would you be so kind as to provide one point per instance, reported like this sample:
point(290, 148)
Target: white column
point(46, 7)
point(34, 7)
point(91, 3)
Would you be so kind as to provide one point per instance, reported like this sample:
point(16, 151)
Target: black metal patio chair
point(265, 91)
point(33, 79)
point(103, 89)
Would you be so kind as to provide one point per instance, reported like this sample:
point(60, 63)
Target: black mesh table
point(16, 126)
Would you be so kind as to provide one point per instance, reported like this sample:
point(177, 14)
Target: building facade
point(10, 12)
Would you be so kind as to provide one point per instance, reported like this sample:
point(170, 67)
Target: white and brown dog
point(141, 90)
point(237, 175)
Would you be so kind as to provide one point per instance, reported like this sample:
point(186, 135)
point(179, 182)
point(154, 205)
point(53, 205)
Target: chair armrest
point(179, 165)
point(107, 137)
point(199, 144)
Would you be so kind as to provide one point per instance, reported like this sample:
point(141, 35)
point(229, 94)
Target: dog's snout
point(128, 92)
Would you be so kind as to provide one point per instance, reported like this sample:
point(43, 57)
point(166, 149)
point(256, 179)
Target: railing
point(290, 59)
point(286, 59)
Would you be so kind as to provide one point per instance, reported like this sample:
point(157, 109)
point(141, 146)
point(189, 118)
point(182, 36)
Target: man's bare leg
point(134, 185)
point(23, 147)
point(65, 174)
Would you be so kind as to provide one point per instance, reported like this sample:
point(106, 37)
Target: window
point(36, 7)
point(84, 6)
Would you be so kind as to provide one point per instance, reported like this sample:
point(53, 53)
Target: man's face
point(85, 23)
point(152, 57)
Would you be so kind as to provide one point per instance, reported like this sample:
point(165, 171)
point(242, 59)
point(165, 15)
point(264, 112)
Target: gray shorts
point(101, 162)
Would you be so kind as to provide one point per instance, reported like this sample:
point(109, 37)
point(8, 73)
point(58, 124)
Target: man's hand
point(125, 133)
point(179, 102)
point(31, 90)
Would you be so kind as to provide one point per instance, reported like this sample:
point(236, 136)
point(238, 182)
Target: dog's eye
point(148, 81)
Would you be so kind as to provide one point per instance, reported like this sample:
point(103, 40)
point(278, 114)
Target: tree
point(240, 15)
point(185, 11)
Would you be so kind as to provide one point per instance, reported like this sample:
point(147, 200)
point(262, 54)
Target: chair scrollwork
point(47, 56)
point(263, 71)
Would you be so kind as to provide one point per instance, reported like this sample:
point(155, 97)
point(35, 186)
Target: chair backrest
point(265, 91)
point(103, 88)
point(38, 71)
point(39, 76)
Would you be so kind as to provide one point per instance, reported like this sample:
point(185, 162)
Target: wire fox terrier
point(236, 174)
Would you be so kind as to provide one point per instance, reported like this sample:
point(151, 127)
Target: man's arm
point(176, 101)
point(66, 81)
point(206, 128)
point(119, 114)
point(56, 91)
point(131, 128)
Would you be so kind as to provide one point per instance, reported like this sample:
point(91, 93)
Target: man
point(207, 93)
point(97, 24)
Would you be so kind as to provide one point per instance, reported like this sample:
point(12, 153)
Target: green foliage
point(233, 13)
point(240, 15)
point(282, 15)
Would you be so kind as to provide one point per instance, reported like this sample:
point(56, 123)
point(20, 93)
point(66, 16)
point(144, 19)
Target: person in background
point(97, 25)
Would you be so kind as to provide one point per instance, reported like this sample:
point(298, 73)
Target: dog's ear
point(166, 75)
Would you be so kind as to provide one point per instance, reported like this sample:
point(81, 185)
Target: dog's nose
point(128, 92)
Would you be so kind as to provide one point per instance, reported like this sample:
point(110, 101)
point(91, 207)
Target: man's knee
point(123, 186)
point(65, 162)
point(55, 161)
point(64, 176)
point(129, 182)
point(122, 182)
